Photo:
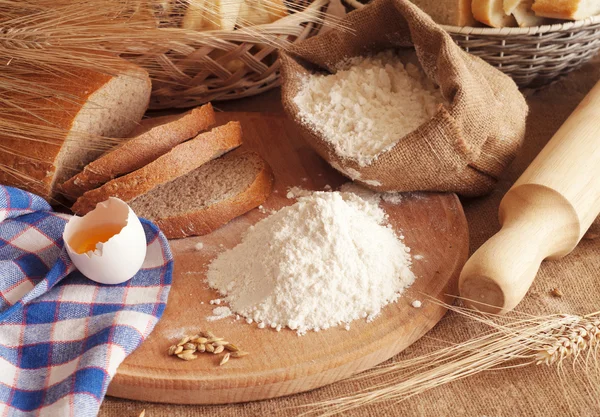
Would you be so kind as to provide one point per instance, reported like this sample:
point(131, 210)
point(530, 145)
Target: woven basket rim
point(534, 30)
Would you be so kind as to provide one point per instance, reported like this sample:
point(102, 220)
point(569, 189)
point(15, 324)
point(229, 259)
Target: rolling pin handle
point(543, 215)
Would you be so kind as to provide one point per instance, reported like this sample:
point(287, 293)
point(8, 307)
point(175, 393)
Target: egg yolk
point(86, 240)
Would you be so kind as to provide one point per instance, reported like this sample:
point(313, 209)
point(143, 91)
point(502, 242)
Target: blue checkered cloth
point(63, 336)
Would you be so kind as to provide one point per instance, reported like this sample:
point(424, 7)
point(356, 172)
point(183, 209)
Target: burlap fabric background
point(533, 391)
point(464, 148)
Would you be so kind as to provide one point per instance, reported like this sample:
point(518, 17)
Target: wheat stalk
point(518, 340)
point(53, 37)
point(44, 42)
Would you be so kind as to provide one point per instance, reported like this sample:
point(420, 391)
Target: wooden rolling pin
point(543, 216)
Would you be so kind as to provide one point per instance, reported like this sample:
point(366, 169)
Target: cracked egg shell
point(107, 245)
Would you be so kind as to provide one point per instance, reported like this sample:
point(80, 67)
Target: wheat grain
point(183, 341)
point(208, 334)
point(187, 355)
point(231, 347)
point(188, 347)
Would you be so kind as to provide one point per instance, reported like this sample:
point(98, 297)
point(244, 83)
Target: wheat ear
point(512, 341)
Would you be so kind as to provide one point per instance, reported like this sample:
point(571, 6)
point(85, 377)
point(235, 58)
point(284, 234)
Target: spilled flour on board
point(323, 262)
point(220, 313)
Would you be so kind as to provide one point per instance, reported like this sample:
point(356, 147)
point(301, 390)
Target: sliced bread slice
point(140, 150)
point(567, 9)
point(491, 13)
point(181, 160)
point(208, 197)
point(150, 122)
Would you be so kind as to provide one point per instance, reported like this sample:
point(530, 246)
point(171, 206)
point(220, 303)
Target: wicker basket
point(228, 65)
point(533, 56)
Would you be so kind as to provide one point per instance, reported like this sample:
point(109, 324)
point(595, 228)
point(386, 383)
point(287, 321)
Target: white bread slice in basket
point(85, 105)
point(491, 13)
point(140, 150)
point(566, 9)
point(179, 161)
point(523, 14)
point(208, 197)
point(211, 14)
point(509, 6)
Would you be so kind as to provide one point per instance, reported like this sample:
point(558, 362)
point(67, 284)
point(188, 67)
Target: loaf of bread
point(526, 13)
point(566, 9)
point(208, 197)
point(179, 161)
point(491, 13)
point(154, 139)
point(448, 12)
point(85, 108)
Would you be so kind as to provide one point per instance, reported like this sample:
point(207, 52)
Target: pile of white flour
point(325, 261)
point(368, 104)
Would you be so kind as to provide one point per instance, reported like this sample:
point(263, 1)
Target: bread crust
point(31, 164)
point(562, 9)
point(216, 215)
point(179, 161)
point(139, 151)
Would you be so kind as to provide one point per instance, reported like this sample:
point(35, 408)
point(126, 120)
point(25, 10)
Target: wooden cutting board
point(283, 363)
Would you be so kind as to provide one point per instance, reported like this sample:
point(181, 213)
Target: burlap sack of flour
point(463, 148)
